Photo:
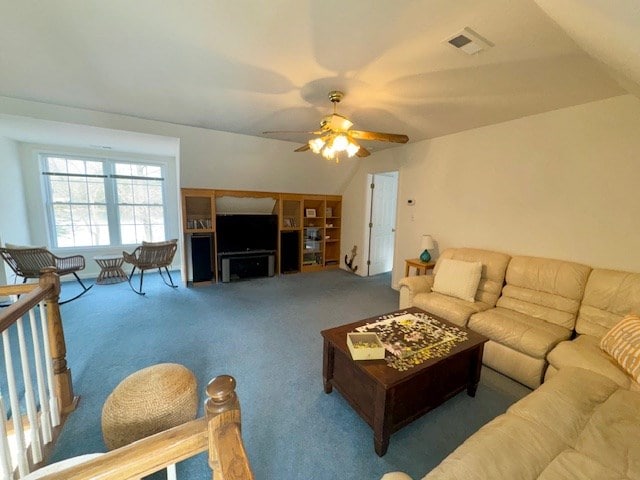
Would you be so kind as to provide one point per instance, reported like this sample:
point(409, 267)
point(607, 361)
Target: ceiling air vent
point(469, 42)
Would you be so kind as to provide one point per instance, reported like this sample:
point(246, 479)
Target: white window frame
point(112, 205)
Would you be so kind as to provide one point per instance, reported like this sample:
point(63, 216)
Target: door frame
point(368, 223)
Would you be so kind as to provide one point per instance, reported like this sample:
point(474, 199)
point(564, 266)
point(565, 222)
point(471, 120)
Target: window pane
point(96, 190)
point(140, 193)
point(157, 233)
point(128, 234)
point(156, 215)
point(60, 190)
point(76, 166)
point(126, 215)
point(78, 189)
point(57, 165)
point(143, 233)
point(80, 215)
point(141, 214)
point(125, 192)
point(94, 168)
point(62, 214)
point(155, 194)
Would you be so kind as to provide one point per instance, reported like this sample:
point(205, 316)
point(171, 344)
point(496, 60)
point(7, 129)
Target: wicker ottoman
point(149, 401)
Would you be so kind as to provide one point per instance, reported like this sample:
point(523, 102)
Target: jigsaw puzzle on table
point(414, 338)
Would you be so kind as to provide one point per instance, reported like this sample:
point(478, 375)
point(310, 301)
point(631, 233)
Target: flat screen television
point(239, 233)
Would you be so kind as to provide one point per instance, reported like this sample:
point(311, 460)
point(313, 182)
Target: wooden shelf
point(319, 214)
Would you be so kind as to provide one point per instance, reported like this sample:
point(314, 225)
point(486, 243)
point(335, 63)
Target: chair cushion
point(458, 279)
point(450, 308)
point(585, 352)
point(518, 331)
point(622, 342)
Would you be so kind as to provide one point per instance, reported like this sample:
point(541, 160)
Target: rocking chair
point(28, 262)
point(152, 255)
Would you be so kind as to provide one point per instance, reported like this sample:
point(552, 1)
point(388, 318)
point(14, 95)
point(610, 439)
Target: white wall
point(561, 184)
point(14, 224)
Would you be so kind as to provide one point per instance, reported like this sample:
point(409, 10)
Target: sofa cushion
point(450, 308)
point(457, 278)
point(585, 352)
point(494, 265)
point(622, 342)
point(519, 331)
point(544, 288)
point(608, 296)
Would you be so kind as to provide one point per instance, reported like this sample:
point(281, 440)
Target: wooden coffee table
point(388, 399)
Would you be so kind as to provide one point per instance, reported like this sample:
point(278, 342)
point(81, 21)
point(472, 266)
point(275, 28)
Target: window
point(101, 202)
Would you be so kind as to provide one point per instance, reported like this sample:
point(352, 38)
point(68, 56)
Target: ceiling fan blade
point(303, 148)
point(318, 132)
point(379, 136)
point(363, 152)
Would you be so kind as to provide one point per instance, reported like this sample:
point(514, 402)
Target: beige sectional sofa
point(583, 422)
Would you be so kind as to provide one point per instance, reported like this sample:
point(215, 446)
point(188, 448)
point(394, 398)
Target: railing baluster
point(32, 414)
point(53, 399)
point(6, 465)
point(45, 417)
point(23, 464)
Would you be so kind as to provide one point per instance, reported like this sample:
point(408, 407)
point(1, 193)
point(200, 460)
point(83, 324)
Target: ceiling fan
point(335, 135)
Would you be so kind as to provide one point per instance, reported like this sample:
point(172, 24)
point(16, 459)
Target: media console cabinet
point(308, 236)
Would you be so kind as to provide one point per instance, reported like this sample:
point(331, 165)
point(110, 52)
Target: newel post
point(227, 456)
point(57, 346)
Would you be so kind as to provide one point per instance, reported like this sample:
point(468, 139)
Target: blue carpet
point(266, 333)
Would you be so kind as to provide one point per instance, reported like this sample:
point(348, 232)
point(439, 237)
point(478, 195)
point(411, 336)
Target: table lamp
point(427, 244)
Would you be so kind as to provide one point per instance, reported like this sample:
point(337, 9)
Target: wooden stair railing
point(218, 432)
point(48, 398)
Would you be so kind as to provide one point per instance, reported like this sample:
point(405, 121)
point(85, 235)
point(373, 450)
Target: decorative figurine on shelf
point(427, 244)
point(349, 261)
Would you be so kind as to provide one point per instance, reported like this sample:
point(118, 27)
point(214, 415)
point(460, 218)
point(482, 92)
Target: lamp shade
point(427, 242)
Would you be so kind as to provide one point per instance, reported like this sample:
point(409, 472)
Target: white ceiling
point(246, 66)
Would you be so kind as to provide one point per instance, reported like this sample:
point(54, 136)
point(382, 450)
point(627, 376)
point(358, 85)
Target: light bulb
point(328, 153)
point(316, 145)
point(340, 143)
point(352, 149)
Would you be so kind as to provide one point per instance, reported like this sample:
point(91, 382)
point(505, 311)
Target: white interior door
point(382, 222)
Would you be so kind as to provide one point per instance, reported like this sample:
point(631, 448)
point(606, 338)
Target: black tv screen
point(238, 233)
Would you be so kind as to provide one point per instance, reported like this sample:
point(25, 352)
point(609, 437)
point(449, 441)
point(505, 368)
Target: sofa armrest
point(411, 286)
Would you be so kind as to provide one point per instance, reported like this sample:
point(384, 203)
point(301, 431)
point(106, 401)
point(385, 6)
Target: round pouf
point(149, 401)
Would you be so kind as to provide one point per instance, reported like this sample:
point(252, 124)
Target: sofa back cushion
point(494, 265)
point(608, 296)
point(544, 288)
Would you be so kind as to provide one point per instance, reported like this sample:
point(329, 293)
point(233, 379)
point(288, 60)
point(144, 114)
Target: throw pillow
point(457, 278)
point(622, 342)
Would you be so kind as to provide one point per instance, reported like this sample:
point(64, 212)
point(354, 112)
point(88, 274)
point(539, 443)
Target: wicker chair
point(152, 255)
point(28, 262)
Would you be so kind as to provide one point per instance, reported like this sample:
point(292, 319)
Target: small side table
point(110, 269)
point(420, 266)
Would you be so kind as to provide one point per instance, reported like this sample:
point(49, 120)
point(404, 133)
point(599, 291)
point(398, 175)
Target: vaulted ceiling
point(247, 66)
